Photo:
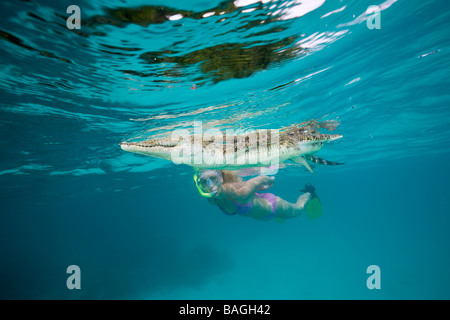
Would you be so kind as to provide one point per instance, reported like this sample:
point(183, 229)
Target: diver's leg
point(287, 210)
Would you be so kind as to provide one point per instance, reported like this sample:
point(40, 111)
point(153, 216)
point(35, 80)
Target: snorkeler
point(235, 196)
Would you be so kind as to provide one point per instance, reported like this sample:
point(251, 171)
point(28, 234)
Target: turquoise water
point(137, 227)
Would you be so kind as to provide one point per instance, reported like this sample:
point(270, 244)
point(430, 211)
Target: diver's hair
point(229, 176)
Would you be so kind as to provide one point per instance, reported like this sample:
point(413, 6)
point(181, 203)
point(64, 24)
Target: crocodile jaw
point(163, 152)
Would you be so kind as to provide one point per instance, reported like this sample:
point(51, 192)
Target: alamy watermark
point(234, 148)
point(374, 17)
point(74, 280)
point(74, 21)
point(374, 280)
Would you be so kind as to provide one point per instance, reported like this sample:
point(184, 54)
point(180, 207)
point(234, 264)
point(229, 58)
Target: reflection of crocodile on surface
point(214, 62)
point(296, 143)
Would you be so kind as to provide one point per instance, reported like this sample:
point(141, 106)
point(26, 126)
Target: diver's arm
point(253, 185)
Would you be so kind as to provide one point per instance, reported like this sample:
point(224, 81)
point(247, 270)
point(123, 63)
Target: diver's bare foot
point(301, 201)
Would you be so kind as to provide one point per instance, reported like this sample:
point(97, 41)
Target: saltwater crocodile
point(296, 143)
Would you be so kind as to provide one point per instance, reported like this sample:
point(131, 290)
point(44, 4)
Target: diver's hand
point(266, 183)
point(271, 180)
point(265, 187)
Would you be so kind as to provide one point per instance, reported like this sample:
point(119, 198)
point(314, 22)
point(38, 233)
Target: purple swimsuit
point(244, 209)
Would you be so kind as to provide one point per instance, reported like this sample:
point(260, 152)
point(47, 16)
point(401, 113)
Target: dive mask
point(205, 186)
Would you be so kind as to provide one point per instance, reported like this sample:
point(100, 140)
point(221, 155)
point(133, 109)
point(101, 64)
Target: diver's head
point(208, 182)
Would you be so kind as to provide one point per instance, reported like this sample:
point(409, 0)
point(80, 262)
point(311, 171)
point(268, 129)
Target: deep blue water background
point(137, 227)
